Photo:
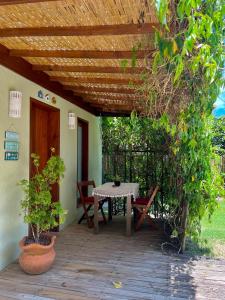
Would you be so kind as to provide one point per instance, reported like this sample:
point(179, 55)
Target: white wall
point(12, 227)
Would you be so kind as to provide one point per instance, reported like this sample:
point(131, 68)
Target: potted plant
point(42, 214)
point(117, 180)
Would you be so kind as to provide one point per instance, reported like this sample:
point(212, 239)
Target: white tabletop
point(109, 190)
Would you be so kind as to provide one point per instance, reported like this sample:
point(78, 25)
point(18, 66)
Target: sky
point(219, 105)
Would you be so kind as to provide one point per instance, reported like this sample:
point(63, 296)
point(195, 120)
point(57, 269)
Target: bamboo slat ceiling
point(80, 44)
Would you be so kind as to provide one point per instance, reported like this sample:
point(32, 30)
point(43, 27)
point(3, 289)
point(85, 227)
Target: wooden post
point(183, 225)
point(96, 202)
point(128, 229)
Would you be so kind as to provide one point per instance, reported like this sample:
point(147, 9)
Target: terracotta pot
point(36, 258)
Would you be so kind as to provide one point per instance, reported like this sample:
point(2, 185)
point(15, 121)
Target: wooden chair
point(88, 201)
point(141, 208)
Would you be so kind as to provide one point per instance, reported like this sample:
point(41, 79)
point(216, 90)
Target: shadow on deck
point(87, 265)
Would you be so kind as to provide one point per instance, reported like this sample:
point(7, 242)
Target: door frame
point(85, 150)
point(36, 103)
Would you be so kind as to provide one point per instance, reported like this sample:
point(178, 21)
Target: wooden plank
point(89, 69)
point(87, 265)
point(24, 68)
point(88, 89)
point(122, 81)
point(15, 2)
point(95, 30)
point(124, 114)
point(117, 108)
point(111, 102)
point(94, 96)
point(92, 54)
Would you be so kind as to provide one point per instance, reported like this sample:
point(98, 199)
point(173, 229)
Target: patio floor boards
point(87, 265)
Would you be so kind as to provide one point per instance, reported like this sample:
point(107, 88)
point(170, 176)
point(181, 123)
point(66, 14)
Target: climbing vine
point(182, 80)
point(186, 77)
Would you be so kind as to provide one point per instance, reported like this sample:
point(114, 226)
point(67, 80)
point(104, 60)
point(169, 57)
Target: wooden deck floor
point(88, 264)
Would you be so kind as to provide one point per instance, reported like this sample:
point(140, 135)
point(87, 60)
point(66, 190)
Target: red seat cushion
point(89, 199)
point(141, 201)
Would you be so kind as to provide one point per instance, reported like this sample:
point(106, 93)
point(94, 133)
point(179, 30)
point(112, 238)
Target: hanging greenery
point(188, 62)
point(182, 81)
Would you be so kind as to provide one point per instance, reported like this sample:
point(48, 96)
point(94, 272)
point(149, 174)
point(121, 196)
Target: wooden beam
point(117, 107)
point(131, 97)
point(23, 68)
point(14, 2)
point(114, 107)
point(88, 89)
point(117, 29)
point(107, 101)
point(122, 81)
point(89, 69)
point(113, 114)
point(94, 54)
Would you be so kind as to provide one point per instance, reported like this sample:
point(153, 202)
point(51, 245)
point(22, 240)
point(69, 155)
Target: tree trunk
point(183, 225)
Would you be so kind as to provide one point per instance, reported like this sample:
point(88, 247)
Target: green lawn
point(212, 239)
point(215, 230)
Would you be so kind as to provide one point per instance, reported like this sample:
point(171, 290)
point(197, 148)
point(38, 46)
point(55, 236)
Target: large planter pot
point(36, 258)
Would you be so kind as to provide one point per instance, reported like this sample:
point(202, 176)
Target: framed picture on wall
point(11, 135)
point(10, 155)
point(11, 146)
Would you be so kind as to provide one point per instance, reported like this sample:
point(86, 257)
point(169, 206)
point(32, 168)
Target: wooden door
point(82, 152)
point(44, 134)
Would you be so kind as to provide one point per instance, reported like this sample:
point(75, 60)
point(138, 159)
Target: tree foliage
point(190, 51)
point(180, 86)
point(134, 133)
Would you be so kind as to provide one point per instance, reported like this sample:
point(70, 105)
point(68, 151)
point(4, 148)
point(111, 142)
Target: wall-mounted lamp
point(15, 104)
point(71, 120)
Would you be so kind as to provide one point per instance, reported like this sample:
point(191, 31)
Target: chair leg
point(140, 220)
point(89, 221)
point(83, 216)
point(135, 212)
point(102, 211)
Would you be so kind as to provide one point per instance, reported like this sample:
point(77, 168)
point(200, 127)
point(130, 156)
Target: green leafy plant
point(183, 78)
point(39, 210)
point(117, 178)
point(188, 64)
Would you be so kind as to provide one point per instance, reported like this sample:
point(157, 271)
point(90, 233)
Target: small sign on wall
point(11, 145)
point(11, 135)
point(11, 155)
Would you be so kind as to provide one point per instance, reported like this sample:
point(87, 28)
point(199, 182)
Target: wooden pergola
point(75, 47)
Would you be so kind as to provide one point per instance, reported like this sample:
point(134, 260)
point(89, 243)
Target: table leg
point(109, 209)
point(96, 229)
point(128, 229)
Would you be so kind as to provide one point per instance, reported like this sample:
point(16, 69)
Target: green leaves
point(38, 206)
point(162, 9)
point(179, 69)
point(187, 64)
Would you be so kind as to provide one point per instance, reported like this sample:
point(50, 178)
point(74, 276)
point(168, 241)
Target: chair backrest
point(152, 194)
point(83, 188)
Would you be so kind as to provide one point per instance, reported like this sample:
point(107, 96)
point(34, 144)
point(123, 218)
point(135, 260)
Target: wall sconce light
point(15, 104)
point(71, 120)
